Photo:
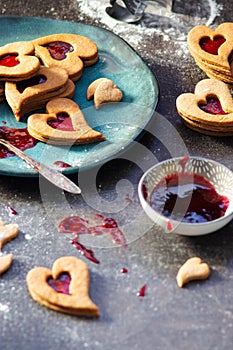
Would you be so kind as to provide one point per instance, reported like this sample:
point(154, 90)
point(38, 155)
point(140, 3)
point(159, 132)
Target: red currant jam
point(59, 49)
point(213, 106)
point(19, 138)
point(212, 46)
point(62, 164)
point(61, 284)
point(63, 122)
point(142, 291)
point(189, 198)
point(36, 80)
point(9, 60)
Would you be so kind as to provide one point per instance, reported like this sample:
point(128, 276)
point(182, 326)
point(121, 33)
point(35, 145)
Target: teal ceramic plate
point(121, 123)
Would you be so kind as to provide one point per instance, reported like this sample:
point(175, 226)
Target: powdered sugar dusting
point(138, 35)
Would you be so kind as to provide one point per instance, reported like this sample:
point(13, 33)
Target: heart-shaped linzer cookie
point(17, 61)
point(33, 93)
point(210, 105)
point(214, 47)
point(54, 128)
point(192, 269)
point(103, 90)
point(65, 288)
point(69, 51)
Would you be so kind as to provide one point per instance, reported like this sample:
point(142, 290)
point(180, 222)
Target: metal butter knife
point(52, 175)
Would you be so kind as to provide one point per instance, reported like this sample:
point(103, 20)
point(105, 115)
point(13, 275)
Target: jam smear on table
point(19, 138)
point(79, 226)
point(63, 122)
point(59, 49)
point(212, 46)
point(142, 291)
point(36, 80)
point(124, 270)
point(188, 197)
point(213, 106)
point(61, 284)
point(9, 60)
point(12, 211)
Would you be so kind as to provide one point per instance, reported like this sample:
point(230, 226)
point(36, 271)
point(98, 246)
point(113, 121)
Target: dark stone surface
point(199, 316)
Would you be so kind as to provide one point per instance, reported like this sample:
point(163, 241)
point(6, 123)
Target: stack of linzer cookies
point(41, 74)
point(209, 109)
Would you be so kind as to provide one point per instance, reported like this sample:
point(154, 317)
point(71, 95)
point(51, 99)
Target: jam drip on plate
point(59, 49)
point(212, 46)
point(61, 284)
point(19, 138)
point(37, 79)
point(213, 106)
point(9, 60)
point(189, 198)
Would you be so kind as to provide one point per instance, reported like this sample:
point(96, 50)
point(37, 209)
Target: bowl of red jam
point(188, 195)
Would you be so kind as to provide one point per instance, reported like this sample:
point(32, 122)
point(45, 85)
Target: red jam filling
point(59, 49)
point(78, 226)
point(62, 164)
point(63, 122)
point(213, 106)
point(37, 79)
point(212, 46)
point(189, 198)
point(19, 138)
point(61, 284)
point(9, 60)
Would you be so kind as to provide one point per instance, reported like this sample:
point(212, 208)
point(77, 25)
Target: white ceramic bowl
point(217, 174)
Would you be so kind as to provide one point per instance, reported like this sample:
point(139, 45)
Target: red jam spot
point(212, 46)
point(183, 162)
point(124, 270)
point(9, 60)
point(79, 226)
point(63, 122)
point(36, 80)
point(142, 291)
point(19, 138)
point(213, 106)
point(12, 211)
point(169, 225)
point(128, 199)
point(59, 49)
point(189, 198)
point(62, 164)
point(61, 284)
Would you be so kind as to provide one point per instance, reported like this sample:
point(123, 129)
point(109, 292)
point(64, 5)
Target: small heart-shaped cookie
point(192, 269)
point(210, 107)
point(69, 51)
point(7, 233)
point(5, 262)
point(47, 128)
point(103, 90)
point(17, 61)
point(65, 288)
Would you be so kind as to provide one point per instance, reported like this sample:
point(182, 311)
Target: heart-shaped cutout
point(209, 108)
point(212, 46)
point(61, 284)
point(69, 51)
point(212, 106)
point(77, 302)
point(17, 61)
point(81, 132)
point(103, 90)
point(192, 269)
